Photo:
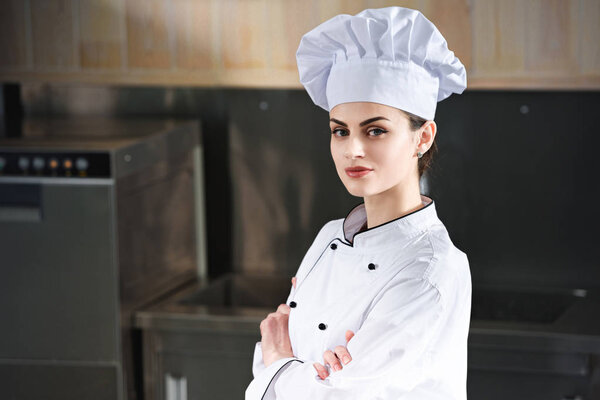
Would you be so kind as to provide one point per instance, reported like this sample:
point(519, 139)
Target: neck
point(391, 204)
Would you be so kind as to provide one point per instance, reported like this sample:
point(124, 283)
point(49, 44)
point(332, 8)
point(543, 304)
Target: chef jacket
point(402, 287)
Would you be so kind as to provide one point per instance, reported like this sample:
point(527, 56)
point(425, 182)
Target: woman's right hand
point(333, 359)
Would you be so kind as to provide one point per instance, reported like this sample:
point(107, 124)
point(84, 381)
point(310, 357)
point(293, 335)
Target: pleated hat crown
point(393, 56)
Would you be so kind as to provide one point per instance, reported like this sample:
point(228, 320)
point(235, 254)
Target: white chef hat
point(393, 56)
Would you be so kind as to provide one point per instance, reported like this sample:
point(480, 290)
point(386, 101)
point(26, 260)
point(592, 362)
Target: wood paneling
point(551, 37)
point(499, 42)
point(147, 36)
point(453, 19)
point(52, 34)
point(289, 20)
point(589, 37)
point(13, 34)
point(243, 33)
point(100, 33)
point(193, 31)
point(252, 43)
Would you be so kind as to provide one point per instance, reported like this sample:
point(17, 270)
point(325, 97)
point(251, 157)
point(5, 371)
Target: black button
point(333, 246)
point(293, 304)
point(371, 266)
point(322, 326)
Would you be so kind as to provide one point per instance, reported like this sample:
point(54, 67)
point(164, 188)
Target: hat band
point(402, 85)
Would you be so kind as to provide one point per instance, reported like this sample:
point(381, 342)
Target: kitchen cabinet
point(548, 351)
point(508, 44)
point(197, 365)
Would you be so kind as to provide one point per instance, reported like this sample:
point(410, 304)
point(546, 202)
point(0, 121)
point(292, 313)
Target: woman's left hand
point(333, 359)
point(275, 342)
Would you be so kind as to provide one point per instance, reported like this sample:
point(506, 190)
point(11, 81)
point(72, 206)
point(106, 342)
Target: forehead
point(358, 111)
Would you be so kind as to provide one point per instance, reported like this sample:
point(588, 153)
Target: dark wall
point(513, 181)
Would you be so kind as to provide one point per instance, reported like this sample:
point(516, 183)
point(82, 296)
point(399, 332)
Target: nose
point(354, 147)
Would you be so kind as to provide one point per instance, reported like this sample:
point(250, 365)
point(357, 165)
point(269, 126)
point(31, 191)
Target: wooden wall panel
point(193, 30)
point(453, 19)
point(289, 20)
point(147, 36)
point(499, 39)
point(252, 43)
point(589, 37)
point(551, 36)
point(13, 33)
point(52, 34)
point(100, 33)
point(243, 33)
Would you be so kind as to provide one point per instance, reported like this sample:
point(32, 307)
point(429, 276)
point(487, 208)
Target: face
point(379, 139)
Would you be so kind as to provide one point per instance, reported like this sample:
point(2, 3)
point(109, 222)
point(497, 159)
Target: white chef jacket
point(402, 287)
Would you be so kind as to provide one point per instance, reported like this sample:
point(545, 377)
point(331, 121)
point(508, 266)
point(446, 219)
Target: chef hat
point(393, 56)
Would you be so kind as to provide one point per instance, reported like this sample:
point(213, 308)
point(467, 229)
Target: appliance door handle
point(175, 387)
point(20, 214)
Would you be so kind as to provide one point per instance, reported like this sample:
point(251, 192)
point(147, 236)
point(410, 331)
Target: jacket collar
point(388, 232)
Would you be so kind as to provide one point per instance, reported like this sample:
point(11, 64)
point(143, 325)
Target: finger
point(331, 359)
point(342, 353)
point(283, 308)
point(294, 282)
point(349, 335)
point(321, 370)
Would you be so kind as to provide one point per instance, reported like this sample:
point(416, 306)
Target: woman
point(380, 305)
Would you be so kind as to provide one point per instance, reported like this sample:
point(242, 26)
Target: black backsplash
point(513, 180)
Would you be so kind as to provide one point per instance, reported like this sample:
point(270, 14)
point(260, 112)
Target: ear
point(428, 131)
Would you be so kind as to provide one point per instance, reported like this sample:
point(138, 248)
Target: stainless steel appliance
point(98, 218)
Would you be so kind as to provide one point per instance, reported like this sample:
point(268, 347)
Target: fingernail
point(337, 367)
point(346, 359)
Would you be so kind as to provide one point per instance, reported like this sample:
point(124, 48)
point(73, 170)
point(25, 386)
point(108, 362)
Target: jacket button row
point(322, 326)
point(371, 266)
point(293, 304)
point(333, 246)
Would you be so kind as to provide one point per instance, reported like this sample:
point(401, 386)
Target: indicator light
point(53, 163)
point(67, 163)
point(23, 163)
point(82, 164)
point(38, 163)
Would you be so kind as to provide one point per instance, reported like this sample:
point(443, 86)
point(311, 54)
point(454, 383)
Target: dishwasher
point(99, 217)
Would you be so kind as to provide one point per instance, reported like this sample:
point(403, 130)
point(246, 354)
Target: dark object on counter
point(96, 221)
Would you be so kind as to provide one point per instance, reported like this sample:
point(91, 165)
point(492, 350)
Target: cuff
point(261, 388)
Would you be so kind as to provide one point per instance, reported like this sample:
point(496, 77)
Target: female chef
point(380, 305)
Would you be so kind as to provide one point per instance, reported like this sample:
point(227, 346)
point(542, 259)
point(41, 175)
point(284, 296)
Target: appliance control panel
point(55, 164)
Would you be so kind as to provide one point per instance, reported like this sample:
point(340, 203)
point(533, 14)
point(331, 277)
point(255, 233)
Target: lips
point(357, 172)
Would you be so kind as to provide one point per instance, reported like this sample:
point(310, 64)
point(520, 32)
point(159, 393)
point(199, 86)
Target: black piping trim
point(275, 374)
point(351, 244)
point(315, 263)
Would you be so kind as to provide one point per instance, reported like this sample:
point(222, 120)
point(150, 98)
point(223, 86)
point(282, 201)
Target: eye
point(341, 131)
point(377, 132)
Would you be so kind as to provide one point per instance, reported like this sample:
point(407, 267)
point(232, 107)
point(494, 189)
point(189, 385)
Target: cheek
point(393, 158)
point(336, 152)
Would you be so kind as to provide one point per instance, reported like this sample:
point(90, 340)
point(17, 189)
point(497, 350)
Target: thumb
point(349, 335)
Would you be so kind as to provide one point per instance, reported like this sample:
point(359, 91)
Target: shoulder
point(438, 263)
point(448, 269)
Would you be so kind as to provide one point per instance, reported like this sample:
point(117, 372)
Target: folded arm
point(389, 352)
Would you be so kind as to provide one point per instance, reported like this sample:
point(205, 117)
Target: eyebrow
point(365, 122)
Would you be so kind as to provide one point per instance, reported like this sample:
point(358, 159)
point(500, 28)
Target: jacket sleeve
point(389, 352)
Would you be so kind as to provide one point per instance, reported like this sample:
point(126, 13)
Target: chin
point(358, 190)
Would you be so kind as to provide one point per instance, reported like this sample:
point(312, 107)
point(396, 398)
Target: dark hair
point(425, 161)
